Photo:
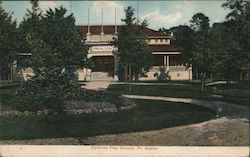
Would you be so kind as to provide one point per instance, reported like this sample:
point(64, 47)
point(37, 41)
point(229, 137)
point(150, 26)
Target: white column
point(115, 67)
point(167, 63)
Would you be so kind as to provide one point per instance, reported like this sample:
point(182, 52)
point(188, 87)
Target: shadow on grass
point(150, 115)
point(237, 94)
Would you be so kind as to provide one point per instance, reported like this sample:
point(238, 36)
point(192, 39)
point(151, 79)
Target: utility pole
point(70, 6)
point(138, 7)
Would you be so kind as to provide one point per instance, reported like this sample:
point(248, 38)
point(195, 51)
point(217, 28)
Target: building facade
point(101, 51)
point(103, 54)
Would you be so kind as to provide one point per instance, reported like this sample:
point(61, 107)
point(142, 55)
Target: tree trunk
point(202, 87)
point(11, 74)
point(241, 75)
point(130, 77)
point(22, 77)
point(202, 81)
point(126, 73)
point(196, 73)
point(136, 77)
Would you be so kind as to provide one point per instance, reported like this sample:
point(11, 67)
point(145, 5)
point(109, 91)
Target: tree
point(184, 36)
point(30, 26)
point(238, 22)
point(133, 52)
point(53, 40)
point(56, 52)
point(199, 22)
point(8, 40)
point(202, 52)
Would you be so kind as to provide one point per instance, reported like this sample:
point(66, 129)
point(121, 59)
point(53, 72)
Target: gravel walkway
point(231, 128)
point(102, 85)
point(97, 85)
point(222, 108)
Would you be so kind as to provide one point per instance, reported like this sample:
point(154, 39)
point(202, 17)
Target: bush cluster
point(48, 88)
point(163, 74)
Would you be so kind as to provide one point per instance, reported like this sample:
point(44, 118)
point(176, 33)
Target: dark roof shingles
point(110, 29)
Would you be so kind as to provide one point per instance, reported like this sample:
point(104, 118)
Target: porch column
point(115, 67)
point(167, 63)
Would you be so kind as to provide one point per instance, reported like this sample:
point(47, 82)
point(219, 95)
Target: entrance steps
point(101, 76)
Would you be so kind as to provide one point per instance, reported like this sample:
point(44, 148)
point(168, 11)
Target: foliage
point(57, 51)
point(133, 51)
point(238, 22)
point(28, 30)
point(42, 89)
point(201, 50)
point(163, 74)
point(53, 39)
point(184, 36)
point(150, 115)
point(8, 39)
point(199, 22)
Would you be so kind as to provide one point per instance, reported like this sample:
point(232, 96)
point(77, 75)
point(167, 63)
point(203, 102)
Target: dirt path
point(222, 108)
point(231, 128)
point(97, 85)
point(218, 132)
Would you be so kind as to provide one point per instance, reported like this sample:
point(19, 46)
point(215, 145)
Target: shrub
point(163, 74)
point(48, 88)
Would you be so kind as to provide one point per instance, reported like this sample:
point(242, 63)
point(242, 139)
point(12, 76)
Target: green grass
point(238, 94)
point(10, 100)
point(150, 115)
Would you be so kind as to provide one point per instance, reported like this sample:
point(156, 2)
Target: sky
point(159, 14)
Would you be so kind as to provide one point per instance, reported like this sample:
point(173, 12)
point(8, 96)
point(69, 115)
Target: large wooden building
point(102, 53)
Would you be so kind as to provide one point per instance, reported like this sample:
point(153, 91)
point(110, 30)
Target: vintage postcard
point(124, 78)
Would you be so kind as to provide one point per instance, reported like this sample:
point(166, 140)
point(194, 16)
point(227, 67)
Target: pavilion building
point(101, 51)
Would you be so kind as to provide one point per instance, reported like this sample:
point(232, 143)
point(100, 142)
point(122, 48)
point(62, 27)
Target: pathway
point(222, 108)
point(97, 85)
point(230, 128)
point(102, 85)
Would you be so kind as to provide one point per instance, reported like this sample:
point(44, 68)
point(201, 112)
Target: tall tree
point(184, 37)
point(57, 50)
point(8, 40)
point(202, 52)
point(30, 26)
point(238, 22)
point(199, 22)
point(133, 52)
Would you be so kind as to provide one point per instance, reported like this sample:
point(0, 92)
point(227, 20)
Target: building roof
point(165, 48)
point(110, 29)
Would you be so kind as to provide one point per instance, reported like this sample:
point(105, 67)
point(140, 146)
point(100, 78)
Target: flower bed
point(74, 108)
point(89, 107)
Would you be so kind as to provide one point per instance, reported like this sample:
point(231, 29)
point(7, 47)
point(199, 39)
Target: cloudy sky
point(158, 13)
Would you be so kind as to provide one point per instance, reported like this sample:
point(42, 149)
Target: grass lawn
point(238, 93)
point(9, 99)
point(150, 115)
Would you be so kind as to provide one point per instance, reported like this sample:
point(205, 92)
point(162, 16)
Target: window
point(161, 40)
point(156, 40)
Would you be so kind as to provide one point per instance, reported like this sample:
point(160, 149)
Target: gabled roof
point(110, 29)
